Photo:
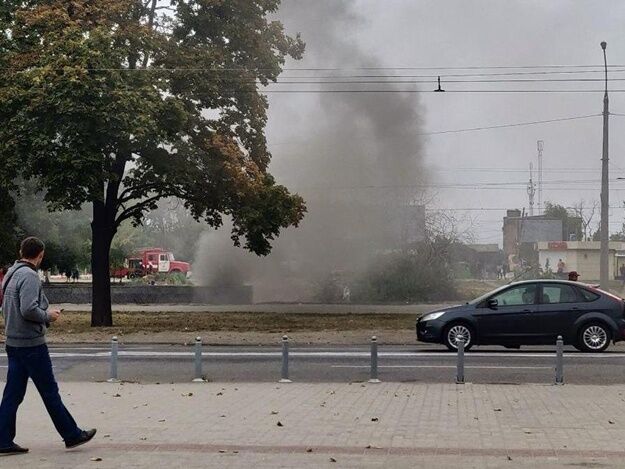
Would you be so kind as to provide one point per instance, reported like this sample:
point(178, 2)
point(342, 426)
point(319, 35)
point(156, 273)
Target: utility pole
point(605, 197)
point(531, 190)
point(540, 146)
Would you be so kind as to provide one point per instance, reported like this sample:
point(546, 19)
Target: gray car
point(533, 312)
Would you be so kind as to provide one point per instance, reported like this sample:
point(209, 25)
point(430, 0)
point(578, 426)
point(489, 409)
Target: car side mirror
point(492, 303)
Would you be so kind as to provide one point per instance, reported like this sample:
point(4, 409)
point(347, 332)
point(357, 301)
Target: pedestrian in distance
point(26, 320)
point(622, 271)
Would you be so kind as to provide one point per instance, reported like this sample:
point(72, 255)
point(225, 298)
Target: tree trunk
point(102, 232)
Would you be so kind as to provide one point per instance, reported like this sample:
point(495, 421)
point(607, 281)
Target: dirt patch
point(237, 328)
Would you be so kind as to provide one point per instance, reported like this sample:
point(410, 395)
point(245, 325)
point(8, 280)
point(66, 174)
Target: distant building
point(521, 233)
point(477, 260)
point(582, 257)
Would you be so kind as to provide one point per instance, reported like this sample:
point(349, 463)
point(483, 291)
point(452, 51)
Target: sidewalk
point(330, 425)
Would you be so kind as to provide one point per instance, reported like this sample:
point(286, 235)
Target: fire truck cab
point(161, 261)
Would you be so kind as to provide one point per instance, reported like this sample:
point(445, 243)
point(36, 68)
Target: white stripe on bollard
point(285, 361)
point(374, 360)
point(113, 369)
point(198, 361)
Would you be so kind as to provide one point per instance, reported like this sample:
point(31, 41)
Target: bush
point(405, 277)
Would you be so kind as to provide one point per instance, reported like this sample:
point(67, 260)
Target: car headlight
point(432, 316)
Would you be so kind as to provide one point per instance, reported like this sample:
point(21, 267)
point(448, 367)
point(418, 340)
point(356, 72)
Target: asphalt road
point(419, 363)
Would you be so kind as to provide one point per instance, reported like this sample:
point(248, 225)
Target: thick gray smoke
point(355, 158)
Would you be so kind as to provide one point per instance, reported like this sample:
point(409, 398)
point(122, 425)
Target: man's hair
point(31, 247)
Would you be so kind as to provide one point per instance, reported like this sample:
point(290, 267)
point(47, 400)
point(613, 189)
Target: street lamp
point(605, 200)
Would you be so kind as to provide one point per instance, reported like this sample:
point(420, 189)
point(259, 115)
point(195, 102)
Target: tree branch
point(146, 57)
point(137, 208)
point(130, 193)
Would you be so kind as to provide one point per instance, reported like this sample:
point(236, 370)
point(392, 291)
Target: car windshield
point(479, 299)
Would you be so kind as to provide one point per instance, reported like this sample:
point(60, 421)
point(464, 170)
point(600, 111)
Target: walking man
point(26, 319)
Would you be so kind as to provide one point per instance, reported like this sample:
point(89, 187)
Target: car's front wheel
point(457, 331)
point(594, 337)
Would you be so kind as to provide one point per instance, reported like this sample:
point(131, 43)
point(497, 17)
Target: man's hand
point(54, 314)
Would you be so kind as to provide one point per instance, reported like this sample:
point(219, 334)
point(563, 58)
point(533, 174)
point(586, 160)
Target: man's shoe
point(85, 437)
point(13, 449)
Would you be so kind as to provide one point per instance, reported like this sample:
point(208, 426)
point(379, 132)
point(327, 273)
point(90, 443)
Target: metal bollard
point(559, 361)
point(460, 365)
point(374, 360)
point(113, 370)
point(285, 360)
point(198, 361)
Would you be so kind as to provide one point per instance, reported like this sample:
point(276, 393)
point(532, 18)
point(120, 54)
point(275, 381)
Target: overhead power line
point(476, 91)
point(503, 126)
point(477, 129)
point(231, 71)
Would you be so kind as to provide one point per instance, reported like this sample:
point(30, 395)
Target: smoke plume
point(354, 157)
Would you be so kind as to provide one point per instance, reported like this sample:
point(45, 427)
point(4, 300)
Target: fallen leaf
point(497, 410)
point(332, 460)
point(279, 424)
point(375, 419)
point(117, 395)
point(274, 412)
point(610, 422)
point(309, 450)
point(96, 459)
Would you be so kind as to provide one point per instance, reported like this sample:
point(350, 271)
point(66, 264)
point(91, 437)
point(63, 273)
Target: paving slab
point(330, 425)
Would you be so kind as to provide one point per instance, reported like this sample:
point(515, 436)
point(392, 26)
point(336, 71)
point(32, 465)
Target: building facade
point(582, 257)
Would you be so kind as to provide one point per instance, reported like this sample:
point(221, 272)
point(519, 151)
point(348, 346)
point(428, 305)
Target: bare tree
point(586, 212)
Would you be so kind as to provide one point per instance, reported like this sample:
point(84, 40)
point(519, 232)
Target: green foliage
point(59, 258)
point(74, 115)
point(66, 231)
point(119, 104)
point(404, 278)
point(9, 233)
point(571, 224)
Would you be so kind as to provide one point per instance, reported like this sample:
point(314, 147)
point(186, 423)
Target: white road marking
point(451, 367)
point(337, 354)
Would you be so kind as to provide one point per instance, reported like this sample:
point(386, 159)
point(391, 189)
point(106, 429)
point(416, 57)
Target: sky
point(392, 34)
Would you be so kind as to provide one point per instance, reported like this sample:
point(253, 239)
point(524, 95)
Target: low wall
point(153, 294)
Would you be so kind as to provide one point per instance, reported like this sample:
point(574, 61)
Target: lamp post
point(605, 198)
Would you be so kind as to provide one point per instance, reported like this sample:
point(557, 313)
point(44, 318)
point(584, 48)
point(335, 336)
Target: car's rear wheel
point(594, 337)
point(456, 331)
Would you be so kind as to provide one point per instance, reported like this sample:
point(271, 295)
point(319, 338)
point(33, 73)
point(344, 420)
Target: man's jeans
point(33, 362)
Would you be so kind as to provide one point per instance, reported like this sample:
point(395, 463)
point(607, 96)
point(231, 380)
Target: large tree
point(120, 103)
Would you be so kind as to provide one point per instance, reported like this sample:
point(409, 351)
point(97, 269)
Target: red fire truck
point(151, 261)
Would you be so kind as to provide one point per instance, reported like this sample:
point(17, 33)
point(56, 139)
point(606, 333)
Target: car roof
point(546, 280)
